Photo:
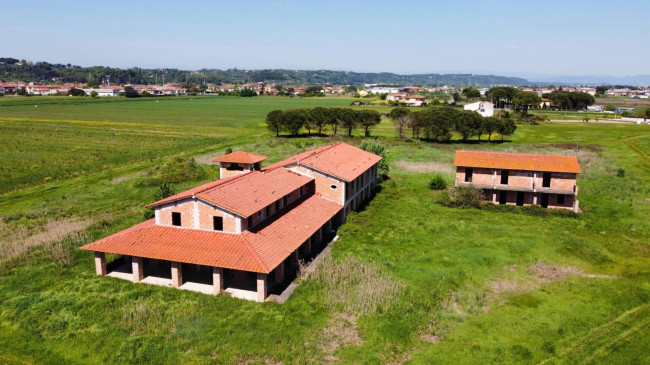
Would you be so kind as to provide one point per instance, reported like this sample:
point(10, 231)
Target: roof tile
point(517, 161)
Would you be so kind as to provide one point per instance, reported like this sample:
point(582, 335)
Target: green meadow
point(425, 283)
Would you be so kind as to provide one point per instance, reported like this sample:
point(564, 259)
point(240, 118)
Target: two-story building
point(521, 179)
point(246, 232)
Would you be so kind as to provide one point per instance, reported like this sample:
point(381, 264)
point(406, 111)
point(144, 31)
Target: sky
point(514, 38)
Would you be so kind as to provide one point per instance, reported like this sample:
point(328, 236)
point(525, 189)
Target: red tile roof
point(517, 161)
point(340, 160)
point(261, 250)
point(248, 193)
point(241, 157)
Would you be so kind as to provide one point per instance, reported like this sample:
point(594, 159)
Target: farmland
point(472, 285)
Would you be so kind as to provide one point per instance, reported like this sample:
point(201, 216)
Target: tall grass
point(356, 287)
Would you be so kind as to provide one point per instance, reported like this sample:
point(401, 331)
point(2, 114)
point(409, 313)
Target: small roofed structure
point(521, 179)
point(239, 162)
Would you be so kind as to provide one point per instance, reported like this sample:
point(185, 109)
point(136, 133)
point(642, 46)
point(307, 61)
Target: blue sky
point(506, 37)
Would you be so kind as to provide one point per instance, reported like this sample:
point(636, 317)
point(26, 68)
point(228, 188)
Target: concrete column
point(217, 279)
point(138, 273)
point(100, 263)
point(262, 287)
point(279, 273)
point(320, 235)
point(177, 274)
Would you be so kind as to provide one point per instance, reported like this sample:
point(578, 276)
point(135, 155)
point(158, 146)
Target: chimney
point(239, 163)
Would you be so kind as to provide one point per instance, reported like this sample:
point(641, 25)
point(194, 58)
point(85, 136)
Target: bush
point(377, 148)
point(438, 183)
point(620, 172)
point(228, 150)
point(180, 169)
point(466, 196)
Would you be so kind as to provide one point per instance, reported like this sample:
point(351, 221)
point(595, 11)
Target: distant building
point(485, 108)
point(104, 91)
point(521, 179)
point(595, 108)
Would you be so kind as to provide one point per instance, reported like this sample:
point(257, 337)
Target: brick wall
point(185, 207)
point(324, 184)
point(206, 214)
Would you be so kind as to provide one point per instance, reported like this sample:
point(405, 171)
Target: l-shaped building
point(241, 233)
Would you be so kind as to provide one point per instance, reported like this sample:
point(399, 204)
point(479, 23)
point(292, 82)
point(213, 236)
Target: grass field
point(468, 285)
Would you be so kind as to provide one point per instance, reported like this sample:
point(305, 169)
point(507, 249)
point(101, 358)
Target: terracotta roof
point(261, 250)
point(247, 193)
point(241, 157)
point(340, 160)
point(517, 161)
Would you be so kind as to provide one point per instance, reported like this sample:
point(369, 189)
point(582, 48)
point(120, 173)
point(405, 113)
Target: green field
point(470, 286)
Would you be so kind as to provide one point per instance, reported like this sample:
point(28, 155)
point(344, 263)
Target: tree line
point(441, 122)
point(503, 96)
point(320, 118)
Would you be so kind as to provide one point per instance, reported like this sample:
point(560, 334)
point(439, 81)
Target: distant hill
point(637, 80)
point(11, 69)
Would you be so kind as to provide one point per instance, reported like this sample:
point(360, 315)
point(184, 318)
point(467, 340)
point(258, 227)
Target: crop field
point(420, 282)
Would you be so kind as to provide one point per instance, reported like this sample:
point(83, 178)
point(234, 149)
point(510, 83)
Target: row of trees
point(503, 96)
point(319, 118)
point(440, 123)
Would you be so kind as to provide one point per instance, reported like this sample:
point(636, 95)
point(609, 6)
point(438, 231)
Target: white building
point(384, 90)
point(485, 108)
point(103, 92)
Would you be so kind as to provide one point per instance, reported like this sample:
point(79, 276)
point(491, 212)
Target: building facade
point(245, 233)
point(521, 179)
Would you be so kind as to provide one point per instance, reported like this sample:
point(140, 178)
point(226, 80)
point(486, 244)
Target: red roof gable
point(247, 193)
point(341, 160)
point(517, 161)
point(241, 157)
point(258, 251)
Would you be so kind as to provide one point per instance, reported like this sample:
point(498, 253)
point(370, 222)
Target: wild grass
point(356, 287)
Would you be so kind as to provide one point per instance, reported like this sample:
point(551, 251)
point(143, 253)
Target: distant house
point(485, 108)
point(363, 93)
point(245, 233)
point(395, 97)
point(521, 179)
point(415, 100)
point(545, 103)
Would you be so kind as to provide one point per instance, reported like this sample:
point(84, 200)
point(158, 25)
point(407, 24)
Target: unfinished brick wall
point(324, 183)
point(185, 207)
point(206, 214)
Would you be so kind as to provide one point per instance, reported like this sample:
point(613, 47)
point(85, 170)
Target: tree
point(609, 107)
point(76, 92)
point(349, 119)
point(93, 93)
point(646, 115)
point(526, 99)
point(247, 92)
point(335, 118)
point(471, 93)
point(314, 89)
point(293, 120)
point(402, 118)
point(456, 97)
point(506, 127)
point(274, 121)
point(130, 92)
point(310, 121)
point(351, 89)
point(92, 82)
point(320, 117)
point(378, 149)
point(22, 91)
point(601, 90)
point(489, 125)
point(369, 119)
point(439, 122)
point(467, 123)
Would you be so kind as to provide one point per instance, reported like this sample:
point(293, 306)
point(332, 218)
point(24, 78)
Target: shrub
point(438, 183)
point(466, 196)
point(180, 169)
point(228, 150)
point(620, 172)
point(377, 148)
